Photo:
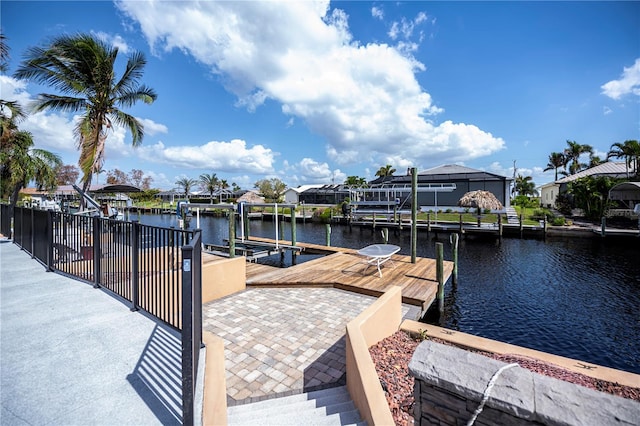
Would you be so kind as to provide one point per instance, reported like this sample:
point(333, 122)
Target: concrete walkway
point(74, 355)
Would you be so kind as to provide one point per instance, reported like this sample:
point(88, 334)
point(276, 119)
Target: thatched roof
point(250, 197)
point(480, 199)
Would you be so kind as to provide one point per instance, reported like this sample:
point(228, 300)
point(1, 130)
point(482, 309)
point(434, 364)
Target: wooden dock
point(342, 268)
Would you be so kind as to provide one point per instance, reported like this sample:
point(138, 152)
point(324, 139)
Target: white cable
point(487, 391)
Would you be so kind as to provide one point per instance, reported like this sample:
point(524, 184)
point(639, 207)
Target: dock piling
point(232, 235)
point(521, 223)
point(440, 275)
point(328, 235)
point(454, 250)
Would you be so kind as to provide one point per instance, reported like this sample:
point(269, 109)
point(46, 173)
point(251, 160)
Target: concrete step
point(512, 216)
point(325, 407)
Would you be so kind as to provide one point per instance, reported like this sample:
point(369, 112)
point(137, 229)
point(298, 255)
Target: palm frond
point(135, 127)
point(58, 103)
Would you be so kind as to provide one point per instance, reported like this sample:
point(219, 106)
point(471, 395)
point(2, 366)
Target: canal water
point(578, 298)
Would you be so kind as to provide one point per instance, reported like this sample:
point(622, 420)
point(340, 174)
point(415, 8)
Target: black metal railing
point(191, 323)
point(158, 270)
point(139, 263)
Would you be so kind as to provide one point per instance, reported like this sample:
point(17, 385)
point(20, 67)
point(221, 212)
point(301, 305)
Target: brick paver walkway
point(281, 341)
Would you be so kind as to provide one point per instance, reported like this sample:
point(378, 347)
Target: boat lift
point(251, 249)
point(393, 197)
point(97, 210)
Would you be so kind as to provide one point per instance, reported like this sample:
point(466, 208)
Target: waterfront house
point(549, 192)
point(292, 195)
point(462, 179)
point(323, 195)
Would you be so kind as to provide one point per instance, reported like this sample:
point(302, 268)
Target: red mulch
point(391, 357)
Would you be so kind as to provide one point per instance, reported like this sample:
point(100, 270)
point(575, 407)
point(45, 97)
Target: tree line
point(568, 162)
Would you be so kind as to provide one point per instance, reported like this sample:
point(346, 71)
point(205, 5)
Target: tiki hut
point(250, 197)
point(481, 200)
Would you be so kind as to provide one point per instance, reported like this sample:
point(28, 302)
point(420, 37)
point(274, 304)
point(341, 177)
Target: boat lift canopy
point(361, 196)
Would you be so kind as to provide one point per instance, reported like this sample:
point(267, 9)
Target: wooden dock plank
point(344, 269)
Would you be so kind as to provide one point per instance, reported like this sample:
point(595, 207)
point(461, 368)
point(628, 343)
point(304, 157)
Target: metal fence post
point(95, 224)
point(187, 337)
point(135, 231)
point(49, 239)
point(33, 234)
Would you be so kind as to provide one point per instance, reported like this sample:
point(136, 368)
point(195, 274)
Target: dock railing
point(158, 270)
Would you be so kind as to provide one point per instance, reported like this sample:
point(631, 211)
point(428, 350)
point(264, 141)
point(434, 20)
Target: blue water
point(578, 298)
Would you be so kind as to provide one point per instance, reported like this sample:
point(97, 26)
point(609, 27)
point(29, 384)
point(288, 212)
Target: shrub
point(558, 221)
point(564, 203)
point(323, 215)
point(524, 201)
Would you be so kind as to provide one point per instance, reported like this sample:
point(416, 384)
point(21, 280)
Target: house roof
point(303, 188)
point(446, 172)
point(610, 168)
point(447, 169)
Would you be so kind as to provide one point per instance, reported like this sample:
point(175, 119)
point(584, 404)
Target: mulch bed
point(391, 357)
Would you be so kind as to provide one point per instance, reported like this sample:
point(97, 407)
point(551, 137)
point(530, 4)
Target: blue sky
point(313, 92)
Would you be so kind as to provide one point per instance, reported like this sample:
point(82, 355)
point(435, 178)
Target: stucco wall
point(377, 322)
point(222, 277)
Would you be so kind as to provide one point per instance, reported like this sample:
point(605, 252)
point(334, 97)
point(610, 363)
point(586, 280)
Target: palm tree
point(525, 186)
point(223, 185)
point(186, 184)
point(21, 163)
point(630, 150)
point(10, 111)
point(384, 171)
point(572, 156)
point(556, 160)
point(209, 183)
point(594, 160)
point(81, 67)
point(355, 181)
point(4, 53)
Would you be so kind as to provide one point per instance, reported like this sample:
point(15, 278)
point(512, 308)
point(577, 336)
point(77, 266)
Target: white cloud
point(51, 131)
point(230, 157)
point(114, 40)
point(606, 110)
point(14, 90)
point(160, 180)
point(377, 13)
point(309, 171)
point(364, 99)
point(629, 82)
point(151, 127)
